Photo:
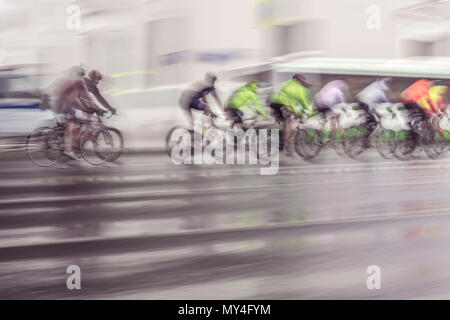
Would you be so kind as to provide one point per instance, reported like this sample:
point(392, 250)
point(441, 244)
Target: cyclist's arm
point(306, 104)
point(310, 111)
point(433, 105)
point(78, 104)
point(216, 97)
point(294, 96)
point(442, 106)
point(85, 100)
point(101, 99)
point(436, 106)
point(89, 107)
point(342, 97)
point(295, 110)
point(258, 106)
point(424, 103)
point(383, 96)
point(302, 96)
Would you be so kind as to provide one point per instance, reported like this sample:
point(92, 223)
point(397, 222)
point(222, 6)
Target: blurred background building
point(177, 41)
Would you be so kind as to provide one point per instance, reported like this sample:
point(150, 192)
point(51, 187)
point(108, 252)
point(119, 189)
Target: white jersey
point(332, 93)
point(374, 93)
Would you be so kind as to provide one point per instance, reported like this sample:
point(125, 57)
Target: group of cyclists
point(295, 101)
point(69, 98)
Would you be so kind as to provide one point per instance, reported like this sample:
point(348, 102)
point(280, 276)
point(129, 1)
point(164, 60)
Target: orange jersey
point(417, 91)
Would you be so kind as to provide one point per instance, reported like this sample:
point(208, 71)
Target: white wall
point(121, 36)
point(441, 47)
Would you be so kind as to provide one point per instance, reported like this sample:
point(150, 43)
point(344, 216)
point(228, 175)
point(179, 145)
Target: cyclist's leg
point(372, 121)
point(335, 117)
point(230, 115)
point(199, 105)
point(78, 120)
point(285, 121)
point(322, 109)
point(288, 128)
point(276, 111)
point(68, 140)
point(188, 112)
point(69, 129)
point(326, 112)
point(419, 118)
point(237, 115)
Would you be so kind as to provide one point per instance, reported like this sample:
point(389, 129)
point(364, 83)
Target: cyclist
point(375, 93)
point(294, 96)
point(419, 103)
point(195, 96)
point(334, 92)
point(63, 98)
point(91, 82)
point(246, 100)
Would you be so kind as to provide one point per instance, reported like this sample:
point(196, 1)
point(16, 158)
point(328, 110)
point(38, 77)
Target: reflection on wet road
point(147, 229)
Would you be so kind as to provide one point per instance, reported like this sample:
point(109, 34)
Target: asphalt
point(145, 228)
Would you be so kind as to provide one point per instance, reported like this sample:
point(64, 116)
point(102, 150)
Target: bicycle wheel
point(181, 139)
point(170, 143)
point(44, 146)
point(385, 143)
point(96, 147)
point(435, 145)
point(307, 143)
point(116, 147)
point(355, 141)
point(265, 142)
point(405, 144)
point(337, 142)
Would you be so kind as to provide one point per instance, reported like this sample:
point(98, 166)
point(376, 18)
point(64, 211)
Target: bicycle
point(95, 138)
point(210, 123)
point(404, 138)
point(430, 136)
point(382, 137)
point(45, 145)
point(391, 135)
point(313, 133)
point(262, 127)
point(357, 130)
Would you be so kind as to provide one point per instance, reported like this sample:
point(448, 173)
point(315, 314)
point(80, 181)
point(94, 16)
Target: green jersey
point(292, 95)
point(248, 100)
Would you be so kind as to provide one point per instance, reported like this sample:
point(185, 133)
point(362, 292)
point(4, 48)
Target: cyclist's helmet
point(300, 78)
point(77, 70)
point(95, 75)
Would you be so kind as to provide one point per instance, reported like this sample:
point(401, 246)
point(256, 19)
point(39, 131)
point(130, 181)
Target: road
point(144, 228)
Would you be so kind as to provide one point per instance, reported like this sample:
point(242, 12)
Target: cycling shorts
point(277, 110)
point(238, 114)
point(198, 105)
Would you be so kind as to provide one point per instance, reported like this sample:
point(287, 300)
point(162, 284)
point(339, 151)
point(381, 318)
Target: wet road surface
point(148, 229)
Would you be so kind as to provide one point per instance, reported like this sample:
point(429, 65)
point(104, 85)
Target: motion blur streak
point(140, 227)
